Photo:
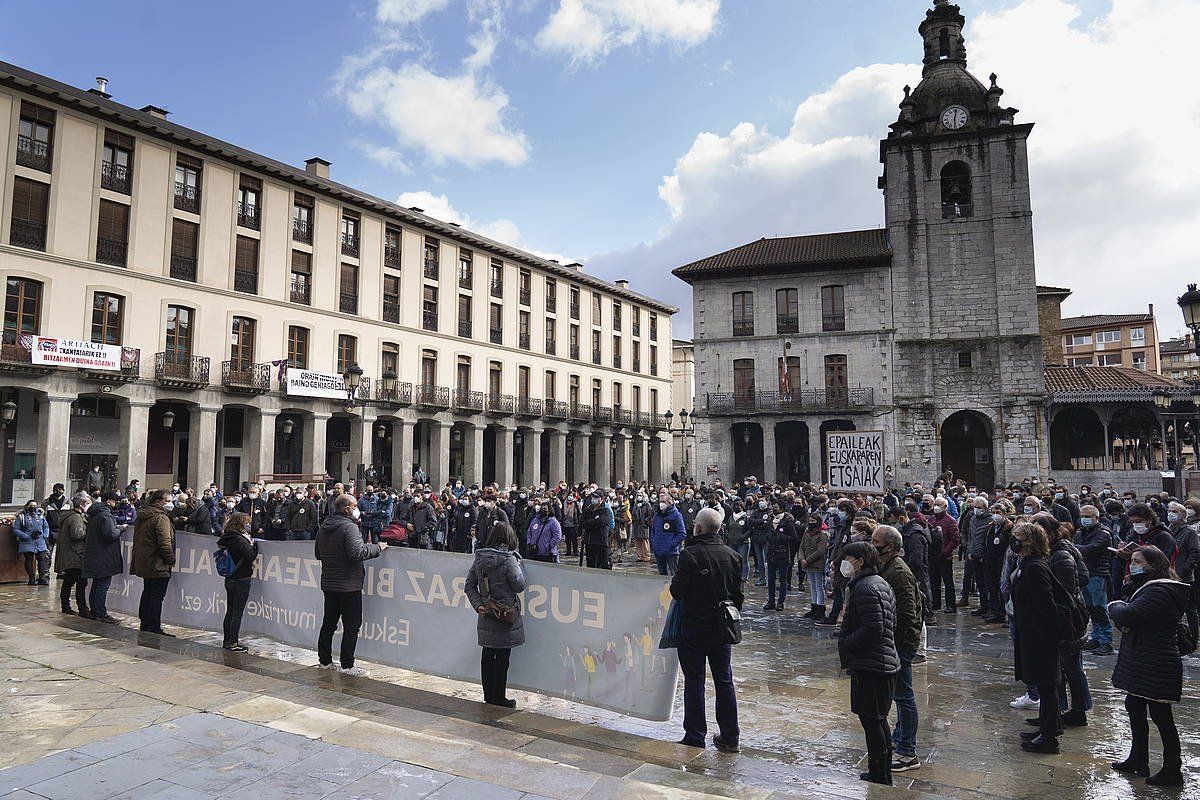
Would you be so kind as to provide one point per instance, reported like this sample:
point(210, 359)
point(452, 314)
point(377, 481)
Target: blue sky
point(633, 136)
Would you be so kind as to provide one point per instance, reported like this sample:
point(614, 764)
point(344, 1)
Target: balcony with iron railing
point(643, 419)
point(399, 395)
point(468, 402)
point(300, 291)
point(34, 154)
point(575, 352)
point(430, 396)
point(524, 296)
point(429, 320)
point(596, 355)
point(495, 336)
point(348, 302)
point(187, 197)
point(523, 341)
point(636, 328)
point(246, 377)
point(787, 323)
point(349, 244)
point(127, 373)
point(500, 405)
point(175, 369)
point(430, 269)
point(556, 409)
point(794, 401)
point(617, 360)
point(301, 231)
point(248, 216)
point(602, 415)
point(574, 308)
point(15, 358)
point(465, 279)
point(391, 256)
point(529, 407)
point(497, 289)
point(28, 234)
point(636, 366)
point(622, 416)
point(115, 177)
point(245, 280)
point(580, 412)
point(833, 322)
point(551, 346)
point(659, 421)
point(391, 311)
point(743, 327)
point(183, 267)
point(464, 328)
point(112, 251)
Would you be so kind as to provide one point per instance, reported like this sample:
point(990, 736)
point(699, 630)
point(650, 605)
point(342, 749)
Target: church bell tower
point(967, 363)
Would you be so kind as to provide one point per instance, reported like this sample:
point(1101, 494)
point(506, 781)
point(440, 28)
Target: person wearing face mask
point(909, 623)
point(841, 532)
point(68, 556)
point(975, 526)
point(55, 505)
point(867, 650)
point(423, 524)
point(642, 513)
point(33, 536)
point(253, 506)
point(522, 515)
point(1093, 538)
point(235, 539)
point(301, 518)
point(1064, 508)
point(779, 559)
point(942, 562)
point(737, 535)
point(667, 533)
point(1149, 668)
point(1036, 633)
point(153, 557)
point(689, 508)
point(814, 542)
point(544, 533)
point(595, 521)
point(1145, 529)
point(760, 531)
point(1187, 544)
point(997, 540)
point(371, 519)
point(340, 548)
point(102, 554)
point(570, 523)
point(199, 515)
point(221, 511)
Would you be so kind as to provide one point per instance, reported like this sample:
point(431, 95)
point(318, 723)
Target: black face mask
point(1015, 546)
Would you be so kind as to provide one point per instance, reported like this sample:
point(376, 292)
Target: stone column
point(621, 458)
point(1108, 462)
point(315, 439)
point(439, 456)
point(654, 456)
point(473, 455)
point(135, 430)
point(816, 446)
point(639, 470)
point(202, 445)
point(402, 452)
point(362, 440)
point(579, 456)
point(600, 473)
point(557, 468)
point(261, 442)
point(504, 456)
point(531, 468)
point(768, 440)
point(54, 436)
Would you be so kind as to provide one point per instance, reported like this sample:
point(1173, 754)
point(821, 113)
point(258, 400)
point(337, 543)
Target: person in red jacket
point(941, 564)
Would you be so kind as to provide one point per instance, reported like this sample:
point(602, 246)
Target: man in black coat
point(709, 573)
point(301, 518)
point(594, 522)
point(256, 508)
point(341, 551)
point(462, 518)
point(102, 555)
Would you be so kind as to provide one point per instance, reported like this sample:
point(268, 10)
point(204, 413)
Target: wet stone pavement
point(76, 694)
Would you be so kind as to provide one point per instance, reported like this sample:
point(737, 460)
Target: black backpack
point(1072, 615)
point(1187, 632)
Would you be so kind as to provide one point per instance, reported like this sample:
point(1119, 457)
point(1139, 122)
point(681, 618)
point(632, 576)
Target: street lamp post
point(8, 413)
point(685, 433)
point(1166, 403)
point(1189, 304)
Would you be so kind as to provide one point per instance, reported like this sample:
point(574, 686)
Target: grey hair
point(81, 499)
point(708, 521)
point(891, 537)
point(1091, 508)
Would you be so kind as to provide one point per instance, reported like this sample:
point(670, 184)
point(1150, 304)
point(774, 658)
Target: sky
point(638, 135)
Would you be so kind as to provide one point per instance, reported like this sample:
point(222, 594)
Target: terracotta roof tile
point(1096, 320)
point(1100, 383)
point(822, 249)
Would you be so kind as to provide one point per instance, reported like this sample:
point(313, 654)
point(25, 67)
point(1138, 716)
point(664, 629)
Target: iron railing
point(784, 402)
point(465, 279)
point(187, 198)
point(617, 360)
point(349, 244)
point(787, 323)
point(957, 210)
point(183, 267)
point(468, 401)
point(636, 328)
point(602, 415)
point(430, 269)
point(245, 280)
point(243, 376)
point(248, 216)
point(500, 404)
point(429, 320)
point(497, 289)
point(348, 302)
point(574, 310)
point(431, 396)
point(622, 416)
point(743, 327)
point(496, 336)
point(34, 154)
point(391, 255)
point(302, 231)
point(580, 412)
point(301, 291)
point(115, 177)
point(529, 407)
point(525, 295)
point(27, 233)
point(176, 369)
point(400, 394)
point(523, 341)
point(833, 322)
point(464, 328)
point(112, 251)
point(15, 355)
point(391, 311)
point(595, 355)
point(636, 366)
point(556, 409)
point(551, 346)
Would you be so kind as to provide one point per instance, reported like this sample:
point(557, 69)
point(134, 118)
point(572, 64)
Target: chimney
point(317, 166)
point(624, 284)
point(1152, 309)
point(576, 266)
point(101, 87)
point(154, 111)
point(418, 210)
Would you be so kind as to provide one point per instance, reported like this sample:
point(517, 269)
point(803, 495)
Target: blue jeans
point(695, 726)
point(904, 735)
point(743, 550)
point(98, 596)
point(777, 572)
point(816, 586)
point(760, 562)
point(1095, 597)
point(1076, 681)
point(667, 564)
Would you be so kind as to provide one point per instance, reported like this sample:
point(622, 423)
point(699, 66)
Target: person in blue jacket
point(33, 542)
point(667, 533)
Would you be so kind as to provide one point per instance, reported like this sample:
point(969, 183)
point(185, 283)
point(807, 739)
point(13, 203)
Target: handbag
point(671, 627)
point(729, 617)
point(1073, 616)
point(494, 608)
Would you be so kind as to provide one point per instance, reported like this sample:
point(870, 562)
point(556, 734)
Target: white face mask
point(1172, 517)
point(998, 519)
point(1029, 511)
point(355, 513)
point(1140, 528)
point(847, 569)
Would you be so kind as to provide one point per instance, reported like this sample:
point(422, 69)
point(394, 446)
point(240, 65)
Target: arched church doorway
point(967, 448)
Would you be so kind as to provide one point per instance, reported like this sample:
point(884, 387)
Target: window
point(653, 326)
point(743, 313)
point(495, 326)
point(1139, 360)
point(1109, 359)
point(347, 352)
point(107, 317)
point(523, 330)
point(636, 350)
point(635, 315)
point(187, 183)
point(389, 359)
point(551, 296)
point(635, 398)
point(1082, 361)
point(574, 302)
point(429, 308)
point(1108, 337)
point(391, 297)
point(428, 368)
point(523, 382)
point(112, 233)
point(35, 137)
point(551, 336)
point(302, 218)
point(654, 359)
point(964, 359)
point(249, 207)
point(618, 396)
point(348, 289)
point(462, 375)
point(241, 344)
point(789, 378)
point(654, 401)
point(596, 309)
point(595, 347)
point(496, 279)
point(464, 316)
point(184, 240)
point(349, 234)
point(833, 308)
point(836, 386)
point(573, 391)
point(524, 287)
point(956, 190)
point(1137, 335)
point(30, 211)
point(1077, 339)
point(495, 378)
point(574, 342)
point(245, 265)
point(301, 277)
point(466, 269)
point(787, 311)
point(116, 168)
point(391, 247)
point(743, 381)
point(432, 258)
point(179, 335)
point(297, 347)
point(595, 394)
point(22, 309)
point(616, 314)
point(616, 352)
point(550, 379)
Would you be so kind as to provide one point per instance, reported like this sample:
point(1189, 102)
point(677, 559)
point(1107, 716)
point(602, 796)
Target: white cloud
point(383, 155)
point(1114, 167)
point(405, 12)
point(502, 230)
point(587, 30)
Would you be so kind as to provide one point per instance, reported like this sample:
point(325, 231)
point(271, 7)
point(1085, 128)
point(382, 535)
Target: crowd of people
point(1059, 569)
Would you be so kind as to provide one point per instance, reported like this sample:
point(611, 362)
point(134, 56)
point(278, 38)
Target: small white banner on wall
point(306, 383)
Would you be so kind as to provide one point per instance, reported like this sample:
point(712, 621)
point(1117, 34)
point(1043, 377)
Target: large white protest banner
point(590, 635)
point(856, 461)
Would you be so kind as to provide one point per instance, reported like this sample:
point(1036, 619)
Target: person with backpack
point(494, 581)
point(779, 559)
point(239, 552)
point(1066, 562)
point(1149, 669)
point(1036, 654)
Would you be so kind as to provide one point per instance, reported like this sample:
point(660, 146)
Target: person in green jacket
point(909, 620)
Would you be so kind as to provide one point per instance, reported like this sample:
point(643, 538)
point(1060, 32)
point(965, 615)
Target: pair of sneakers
point(353, 672)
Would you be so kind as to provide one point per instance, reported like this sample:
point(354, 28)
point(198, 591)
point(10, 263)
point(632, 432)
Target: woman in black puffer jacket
point(1148, 665)
point(1066, 562)
point(867, 650)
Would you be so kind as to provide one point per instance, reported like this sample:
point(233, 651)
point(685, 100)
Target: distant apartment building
point(1111, 340)
point(1179, 359)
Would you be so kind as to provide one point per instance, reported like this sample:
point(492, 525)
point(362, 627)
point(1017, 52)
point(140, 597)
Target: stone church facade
point(927, 329)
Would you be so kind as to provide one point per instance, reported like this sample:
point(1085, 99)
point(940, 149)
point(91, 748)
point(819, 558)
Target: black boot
point(1171, 773)
point(1134, 765)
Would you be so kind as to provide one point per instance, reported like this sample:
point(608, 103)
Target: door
point(837, 392)
point(743, 383)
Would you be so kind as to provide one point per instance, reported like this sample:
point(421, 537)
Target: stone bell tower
point(967, 363)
